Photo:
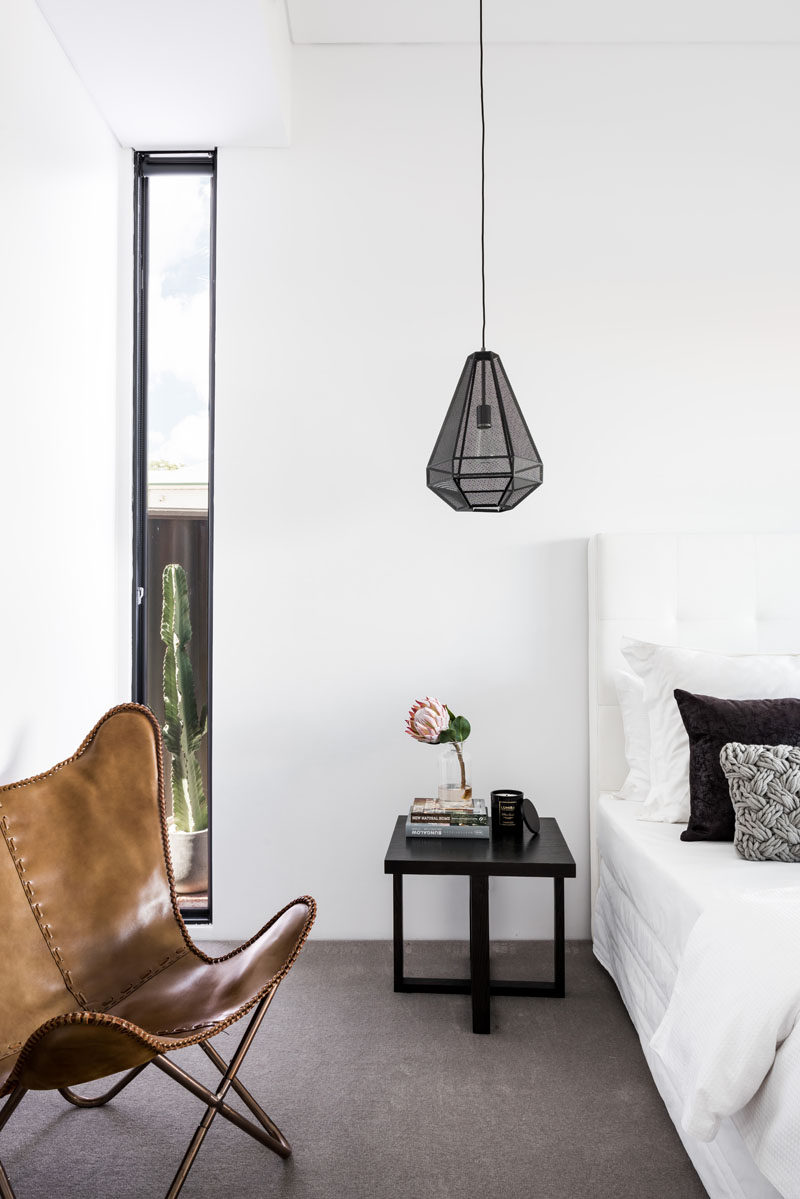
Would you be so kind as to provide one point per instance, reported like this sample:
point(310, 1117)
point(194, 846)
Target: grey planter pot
point(189, 852)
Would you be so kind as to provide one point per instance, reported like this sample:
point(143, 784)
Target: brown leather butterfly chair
point(99, 973)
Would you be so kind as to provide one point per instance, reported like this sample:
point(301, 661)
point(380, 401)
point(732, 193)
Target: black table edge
point(463, 986)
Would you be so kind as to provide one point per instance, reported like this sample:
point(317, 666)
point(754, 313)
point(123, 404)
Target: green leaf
point(199, 802)
point(180, 808)
point(170, 688)
point(172, 738)
point(167, 605)
point(175, 621)
point(445, 736)
point(460, 728)
point(186, 692)
point(183, 728)
point(450, 713)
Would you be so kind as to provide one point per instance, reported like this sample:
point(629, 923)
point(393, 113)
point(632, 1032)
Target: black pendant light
point(485, 459)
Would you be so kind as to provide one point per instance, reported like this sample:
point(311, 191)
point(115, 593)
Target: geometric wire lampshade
point(484, 459)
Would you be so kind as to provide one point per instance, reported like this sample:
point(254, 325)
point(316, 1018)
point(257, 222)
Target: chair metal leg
point(214, 1100)
point(11, 1104)
point(83, 1101)
point(246, 1098)
point(282, 1148)
point(5, 1186)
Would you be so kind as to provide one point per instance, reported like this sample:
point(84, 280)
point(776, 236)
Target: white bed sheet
point(652, 888)
point(673, 881)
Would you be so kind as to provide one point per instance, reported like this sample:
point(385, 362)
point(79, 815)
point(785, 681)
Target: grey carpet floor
point(386, 1096)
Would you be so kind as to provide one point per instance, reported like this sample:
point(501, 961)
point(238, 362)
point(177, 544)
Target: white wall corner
point(279, 40)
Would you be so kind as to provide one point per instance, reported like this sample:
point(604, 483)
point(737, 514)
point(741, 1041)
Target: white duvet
point(730, 1034)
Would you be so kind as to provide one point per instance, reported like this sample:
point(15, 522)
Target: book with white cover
point(433, 811)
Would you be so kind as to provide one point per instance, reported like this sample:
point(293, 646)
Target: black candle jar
point(507, 813)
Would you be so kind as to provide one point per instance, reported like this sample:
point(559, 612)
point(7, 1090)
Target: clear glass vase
point(455, 775)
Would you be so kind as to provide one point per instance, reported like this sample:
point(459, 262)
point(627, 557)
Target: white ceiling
point(399, 21)
point(186, 74)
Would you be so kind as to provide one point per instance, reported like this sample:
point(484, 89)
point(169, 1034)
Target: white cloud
point(180, 216)
point(178, 340)
point(187, 444)
point(178, 326)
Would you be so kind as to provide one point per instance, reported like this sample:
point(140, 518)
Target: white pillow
point(662, 668)
point(630, 693)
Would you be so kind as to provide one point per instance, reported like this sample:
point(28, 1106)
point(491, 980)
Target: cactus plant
point(184, 728)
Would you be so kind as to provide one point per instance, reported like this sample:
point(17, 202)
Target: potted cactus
point(183, 731)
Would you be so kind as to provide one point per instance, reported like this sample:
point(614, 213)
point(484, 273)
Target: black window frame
point(147, 163)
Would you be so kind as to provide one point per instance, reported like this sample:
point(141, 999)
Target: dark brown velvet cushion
point(711, 723)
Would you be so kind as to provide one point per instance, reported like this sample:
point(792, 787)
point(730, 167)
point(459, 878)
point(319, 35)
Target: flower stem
point(457, 745)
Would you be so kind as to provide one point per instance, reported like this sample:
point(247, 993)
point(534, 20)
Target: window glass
point(174, 345)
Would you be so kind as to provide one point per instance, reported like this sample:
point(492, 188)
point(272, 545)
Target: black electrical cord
point(483, 188)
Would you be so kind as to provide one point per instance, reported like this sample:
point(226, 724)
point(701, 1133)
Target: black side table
point(545, 856)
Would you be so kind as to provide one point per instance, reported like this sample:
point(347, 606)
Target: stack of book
point(438, 818)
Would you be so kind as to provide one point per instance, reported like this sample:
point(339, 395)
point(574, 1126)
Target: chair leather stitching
point(186, 1028)
point(35, 904)
point(170, 960)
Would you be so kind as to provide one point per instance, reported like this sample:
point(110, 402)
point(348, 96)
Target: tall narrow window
point(173, 490)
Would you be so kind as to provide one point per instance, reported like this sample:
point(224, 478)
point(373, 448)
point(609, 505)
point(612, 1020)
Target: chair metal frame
point(265, 1131)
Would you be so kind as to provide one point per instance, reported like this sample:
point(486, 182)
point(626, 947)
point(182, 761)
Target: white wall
point(59, 620)
point(643, 259)
point(643, 268)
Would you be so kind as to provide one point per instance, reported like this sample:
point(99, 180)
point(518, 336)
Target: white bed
point(734, 594)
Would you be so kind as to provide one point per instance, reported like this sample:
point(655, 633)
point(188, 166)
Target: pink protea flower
point(427, 718)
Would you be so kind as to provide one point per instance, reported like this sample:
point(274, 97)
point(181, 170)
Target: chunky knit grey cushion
point(764, 782)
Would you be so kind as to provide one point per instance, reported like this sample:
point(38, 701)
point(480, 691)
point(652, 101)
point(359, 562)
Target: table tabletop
point(545, 856)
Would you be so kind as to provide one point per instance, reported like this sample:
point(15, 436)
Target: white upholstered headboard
point(731, 592)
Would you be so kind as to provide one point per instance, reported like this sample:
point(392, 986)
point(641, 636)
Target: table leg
point(558, 937)
point(397, 880)
point(479, 951)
